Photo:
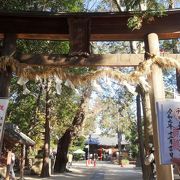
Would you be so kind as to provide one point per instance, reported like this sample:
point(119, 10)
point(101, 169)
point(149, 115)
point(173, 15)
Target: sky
point(91, 5)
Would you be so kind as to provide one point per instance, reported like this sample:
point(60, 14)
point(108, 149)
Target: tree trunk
point(22, 163)
point(148, 133)
point(45, 167)
point(140, 133)
point(35, 120)
point(61, 156)
point(119, 144)
point(65, 140)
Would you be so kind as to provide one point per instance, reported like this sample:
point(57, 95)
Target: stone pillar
point(164, 172)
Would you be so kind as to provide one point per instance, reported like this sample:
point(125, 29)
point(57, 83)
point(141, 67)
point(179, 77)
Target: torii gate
point(79, 29)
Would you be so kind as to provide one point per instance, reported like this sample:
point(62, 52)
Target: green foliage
point(154, 9)
point(116, 116)
point(22, 110)
point(89, 124)
point(78, 143)
point(79, 70)
point(139, 15)
point(135, 22)
point(41, 5)
point(44, 47)
point(66, 106)
point(111, 47)
point(29, 115)
point(170, 46)
point(132, 138)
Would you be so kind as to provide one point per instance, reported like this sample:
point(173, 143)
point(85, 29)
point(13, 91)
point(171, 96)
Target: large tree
point(76, 126)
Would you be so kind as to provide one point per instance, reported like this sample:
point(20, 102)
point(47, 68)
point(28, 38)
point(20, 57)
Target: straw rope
point(31, 72)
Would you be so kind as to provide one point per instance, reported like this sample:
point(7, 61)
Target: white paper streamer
point(144, 83)
point(68, 83)
point(22, 81)
point(25, 90)
point(59, 89)
point(96, 86)
point(38, 79)
point(58, 85)
point(129, 87)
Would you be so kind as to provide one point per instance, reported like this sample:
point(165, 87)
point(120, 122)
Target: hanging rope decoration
point(33, 71)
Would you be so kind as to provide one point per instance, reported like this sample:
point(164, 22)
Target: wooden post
point(164, 172)
point(79, 30)
point(22, 163)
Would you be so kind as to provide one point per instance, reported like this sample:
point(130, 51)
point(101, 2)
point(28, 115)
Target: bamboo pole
point(164, 172)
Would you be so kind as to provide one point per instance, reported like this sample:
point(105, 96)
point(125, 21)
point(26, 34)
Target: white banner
point(168, 112)
point(3, 108)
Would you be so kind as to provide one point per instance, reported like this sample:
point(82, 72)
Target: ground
point(103, 171)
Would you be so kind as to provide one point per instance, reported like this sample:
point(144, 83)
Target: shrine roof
point(13, 135)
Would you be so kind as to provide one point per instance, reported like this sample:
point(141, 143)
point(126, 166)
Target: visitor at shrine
point(10, 165)
point(150, 161)
point(70, 158)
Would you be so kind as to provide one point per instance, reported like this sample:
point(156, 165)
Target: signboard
point(168, 112)
point(3, 108)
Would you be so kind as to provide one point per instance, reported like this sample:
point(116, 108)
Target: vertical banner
point(3, 108)
point(168, 112)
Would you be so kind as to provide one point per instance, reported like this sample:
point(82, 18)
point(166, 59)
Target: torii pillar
point(9, 47)
point(164, 172)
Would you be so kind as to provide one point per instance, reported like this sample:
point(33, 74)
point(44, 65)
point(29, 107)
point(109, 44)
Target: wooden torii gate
point(80, 29)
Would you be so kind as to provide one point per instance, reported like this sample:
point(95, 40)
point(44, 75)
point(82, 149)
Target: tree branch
point(117, 4)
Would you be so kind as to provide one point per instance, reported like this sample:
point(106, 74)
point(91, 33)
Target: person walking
point(12, 174)
point(70, 157)
point(10, 165)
